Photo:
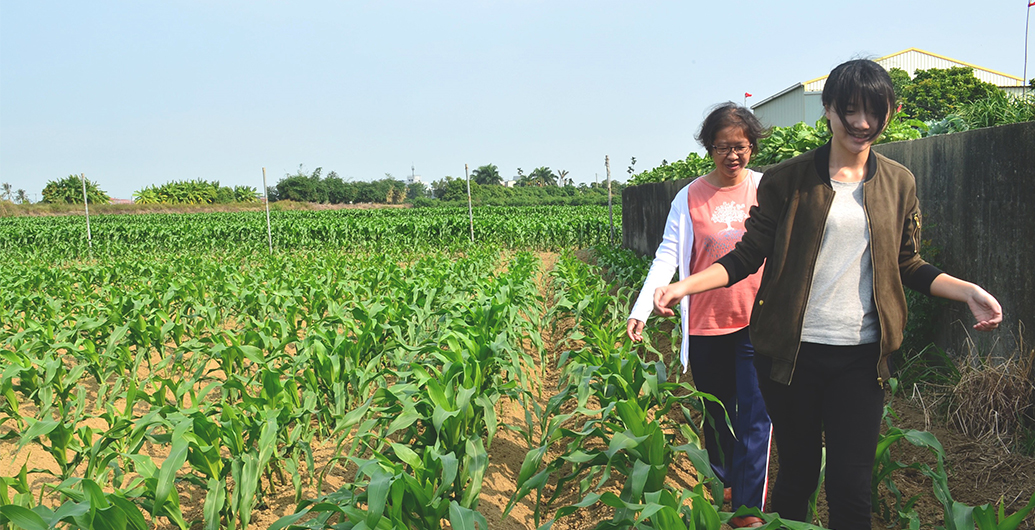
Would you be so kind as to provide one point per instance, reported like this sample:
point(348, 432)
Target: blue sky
point(146, 92)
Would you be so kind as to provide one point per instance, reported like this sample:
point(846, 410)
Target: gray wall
point(790, 108)
point(977, 193)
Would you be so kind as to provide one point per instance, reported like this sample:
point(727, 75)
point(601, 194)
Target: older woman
point(704, 222)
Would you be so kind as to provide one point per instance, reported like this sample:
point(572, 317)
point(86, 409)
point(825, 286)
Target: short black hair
point(860, 81)
point(730, 114)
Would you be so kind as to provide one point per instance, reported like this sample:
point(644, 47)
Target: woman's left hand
point(986, 310)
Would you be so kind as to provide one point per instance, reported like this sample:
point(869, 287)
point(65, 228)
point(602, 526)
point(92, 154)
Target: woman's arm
point(984, 306)
point(665, 264)
point(665, 297)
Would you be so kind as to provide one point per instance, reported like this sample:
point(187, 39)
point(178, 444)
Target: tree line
point(541, 186)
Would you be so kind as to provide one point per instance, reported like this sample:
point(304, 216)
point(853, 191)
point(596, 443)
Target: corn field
point(177, 374)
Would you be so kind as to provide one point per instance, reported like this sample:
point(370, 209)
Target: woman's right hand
point(667, 296)
point(635, 330)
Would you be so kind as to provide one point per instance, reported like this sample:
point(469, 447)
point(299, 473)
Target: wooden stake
point(86, 204)
point(266, 194)
point(610, 207)
point(470, 209)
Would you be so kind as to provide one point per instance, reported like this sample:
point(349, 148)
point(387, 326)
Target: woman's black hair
point(730, 114)
point(860, 81)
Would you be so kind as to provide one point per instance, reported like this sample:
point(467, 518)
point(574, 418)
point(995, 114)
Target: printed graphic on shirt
point(723, 241)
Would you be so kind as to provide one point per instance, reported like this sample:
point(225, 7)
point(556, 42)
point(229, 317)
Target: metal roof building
point(802, 101)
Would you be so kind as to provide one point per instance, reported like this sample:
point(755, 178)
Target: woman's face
point(731, 165)
point(862, 122)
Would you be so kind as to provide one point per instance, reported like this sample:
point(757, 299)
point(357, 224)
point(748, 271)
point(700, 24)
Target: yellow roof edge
point(816, 79)
point(950, 59)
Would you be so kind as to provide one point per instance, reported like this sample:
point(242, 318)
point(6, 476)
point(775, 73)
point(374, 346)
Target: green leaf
point(408, 456)
point(476, 460)
point(134, 518)
point(215, 499)
point(167, 474)
point(110, 518)
point(23, 517)
point(37, 429)
point(461, 518)
point(377, 495)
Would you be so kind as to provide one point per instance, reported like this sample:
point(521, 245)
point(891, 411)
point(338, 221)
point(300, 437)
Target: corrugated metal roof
point(914, 59)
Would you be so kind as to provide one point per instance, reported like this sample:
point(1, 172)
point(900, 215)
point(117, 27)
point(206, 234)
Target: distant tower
point(414, 177)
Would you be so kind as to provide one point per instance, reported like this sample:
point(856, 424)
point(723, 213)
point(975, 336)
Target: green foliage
point(998, 108)
point(935, 93)
point(953, 123)
point(899, 79)
point(309, 187)
point(610, 415)
point(782, 143)
point(188, 353)
point(351, 229)
point(540, 176)
point(693, 166)
point(487, 175)
point(194, 192)
point(70, 190)
point(452, 192)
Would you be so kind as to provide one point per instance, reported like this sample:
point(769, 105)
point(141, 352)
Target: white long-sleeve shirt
point(673, 253)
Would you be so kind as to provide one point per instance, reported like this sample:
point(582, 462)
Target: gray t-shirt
point(840, 310)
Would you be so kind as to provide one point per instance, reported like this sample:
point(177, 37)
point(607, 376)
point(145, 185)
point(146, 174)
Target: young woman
point(704, 222)
point(839, 230)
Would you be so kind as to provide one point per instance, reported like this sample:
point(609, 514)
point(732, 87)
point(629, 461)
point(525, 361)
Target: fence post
point(266, 194)
point(86, 204)
point(470, 210)
point(610, 207)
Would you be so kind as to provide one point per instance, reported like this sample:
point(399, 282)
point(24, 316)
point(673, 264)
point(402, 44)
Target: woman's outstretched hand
point(634, 330)
point(985, 307)
point(986, 310)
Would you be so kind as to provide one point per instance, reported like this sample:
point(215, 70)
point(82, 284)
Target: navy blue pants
point(834, 392)
point(723, 366)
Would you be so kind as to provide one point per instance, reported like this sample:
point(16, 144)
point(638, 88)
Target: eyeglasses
point(723, 151)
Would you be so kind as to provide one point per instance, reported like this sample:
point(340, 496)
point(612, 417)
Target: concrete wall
point(977, 193)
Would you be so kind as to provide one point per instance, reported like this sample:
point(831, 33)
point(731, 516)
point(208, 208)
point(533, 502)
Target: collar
point(822, 161)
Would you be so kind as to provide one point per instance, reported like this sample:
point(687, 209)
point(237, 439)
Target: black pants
point(834, 390)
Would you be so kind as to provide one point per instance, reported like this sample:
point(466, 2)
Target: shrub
point(69, 190)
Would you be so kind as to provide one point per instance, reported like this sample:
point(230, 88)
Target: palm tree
point(21, 197)
point(486, 175)
point(542, 176)
point(6, 186)
point(562, 179)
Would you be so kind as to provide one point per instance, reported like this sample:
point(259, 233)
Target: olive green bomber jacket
point(785, 231)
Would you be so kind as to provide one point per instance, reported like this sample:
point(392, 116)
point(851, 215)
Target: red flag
point(1031, 4)
point(748, 94)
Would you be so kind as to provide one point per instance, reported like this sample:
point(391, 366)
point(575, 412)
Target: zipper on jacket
point(916, 233)
point(873, 293)
point(808, 289)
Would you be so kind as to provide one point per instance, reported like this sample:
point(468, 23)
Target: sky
point(138, 93)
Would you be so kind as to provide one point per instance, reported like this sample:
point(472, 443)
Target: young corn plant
point(625, 402)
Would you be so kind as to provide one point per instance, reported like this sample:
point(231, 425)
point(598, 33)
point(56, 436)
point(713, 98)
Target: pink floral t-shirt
point(718, 215)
